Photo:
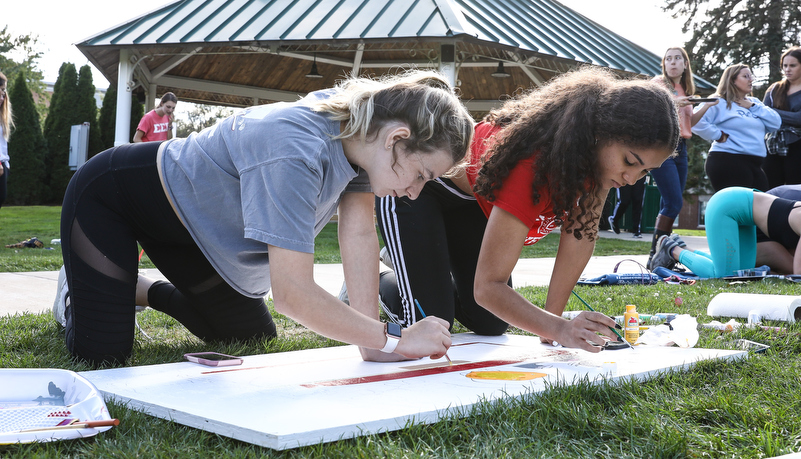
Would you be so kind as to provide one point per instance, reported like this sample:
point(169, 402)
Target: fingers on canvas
point(428, 337)
point(590, 328)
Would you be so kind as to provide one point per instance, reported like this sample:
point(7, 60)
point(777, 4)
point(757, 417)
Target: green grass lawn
point(21, 223)
point(747, 408)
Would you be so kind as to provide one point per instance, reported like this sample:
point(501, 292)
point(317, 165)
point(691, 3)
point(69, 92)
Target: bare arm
point(697, 115)
point(797, 259)
point(500, 250)
point(358, 244)
point(138, 136)
point(773, 254)
point(296, 295)
point(571, 259)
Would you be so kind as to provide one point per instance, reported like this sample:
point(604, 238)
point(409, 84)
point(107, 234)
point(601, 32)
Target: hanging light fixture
point(500, 72)
point(314, 73)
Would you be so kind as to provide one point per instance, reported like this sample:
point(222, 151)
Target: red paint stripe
point(413, 373)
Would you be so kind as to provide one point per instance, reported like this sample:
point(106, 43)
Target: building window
point(702, 202)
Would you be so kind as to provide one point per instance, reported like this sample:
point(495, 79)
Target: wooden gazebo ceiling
point(282, 68)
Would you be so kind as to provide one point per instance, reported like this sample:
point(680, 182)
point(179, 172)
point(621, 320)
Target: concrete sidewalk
point(35, 291)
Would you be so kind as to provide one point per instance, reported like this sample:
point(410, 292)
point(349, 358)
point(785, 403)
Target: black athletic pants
point(630, 194)
point(3, 184)
point(729, 169)
point(114, 201)
point(434, 242)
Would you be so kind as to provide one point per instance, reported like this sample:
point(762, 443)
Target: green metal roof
point(542, 26)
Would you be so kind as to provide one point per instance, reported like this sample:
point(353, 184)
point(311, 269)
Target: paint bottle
point(632, 324)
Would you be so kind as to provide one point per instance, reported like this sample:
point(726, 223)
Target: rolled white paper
point(786, 308)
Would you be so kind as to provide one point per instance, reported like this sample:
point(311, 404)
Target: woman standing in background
point(677, 75)
point(156, 125)
point(5, 130)
point(785, 98)
point(736, 125)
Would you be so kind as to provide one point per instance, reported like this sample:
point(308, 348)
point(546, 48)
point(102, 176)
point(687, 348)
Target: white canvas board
point(299, 398)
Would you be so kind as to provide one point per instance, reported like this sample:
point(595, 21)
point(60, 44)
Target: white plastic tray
point(39, 398)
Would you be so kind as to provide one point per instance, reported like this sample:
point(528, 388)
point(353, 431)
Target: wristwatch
point(393, 332)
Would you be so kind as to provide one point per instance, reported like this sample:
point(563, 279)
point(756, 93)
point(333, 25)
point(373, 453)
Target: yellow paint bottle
point(632, 324)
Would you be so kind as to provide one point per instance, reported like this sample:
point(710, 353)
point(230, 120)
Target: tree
point(108, 117)
point(24, 46)
point(86, 109)
point(697, 181)
point(57, 132)
point(26, 147)
point(752, 32)
point(137, 112)
point(107, 121)
point(200, 117)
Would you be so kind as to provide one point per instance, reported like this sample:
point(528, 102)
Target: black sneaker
point(612, 225)
point(662, 257)
point(678, 240)
point(637, 235)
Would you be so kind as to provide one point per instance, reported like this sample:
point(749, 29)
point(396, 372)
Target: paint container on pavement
point(632, 324)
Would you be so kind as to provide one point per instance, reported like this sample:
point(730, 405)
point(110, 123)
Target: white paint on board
point(287, 400)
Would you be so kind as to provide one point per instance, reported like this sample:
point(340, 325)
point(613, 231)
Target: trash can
point(650, 209)
point(650, 205)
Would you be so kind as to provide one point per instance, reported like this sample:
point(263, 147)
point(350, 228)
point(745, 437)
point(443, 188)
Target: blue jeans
point(670, 180)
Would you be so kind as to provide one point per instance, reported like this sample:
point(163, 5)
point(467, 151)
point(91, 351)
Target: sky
point(59, 24)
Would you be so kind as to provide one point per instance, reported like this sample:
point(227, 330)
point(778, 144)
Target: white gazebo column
point(447, 62)
point(150, 104)
point(122, 130)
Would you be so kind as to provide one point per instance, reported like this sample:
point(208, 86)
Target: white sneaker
point(384, 257)
point(62, 299)
point(343, 294)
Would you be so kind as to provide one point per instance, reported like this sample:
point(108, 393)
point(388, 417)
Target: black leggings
point(729, 169)
point(114, 201)
point(3, 184)
point(434, 242)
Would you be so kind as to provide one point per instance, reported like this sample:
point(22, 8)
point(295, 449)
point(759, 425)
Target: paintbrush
point(420, 308)
point(76, 424)
point(593, 310)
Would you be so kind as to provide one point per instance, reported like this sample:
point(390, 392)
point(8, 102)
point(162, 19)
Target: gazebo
point(248, 52)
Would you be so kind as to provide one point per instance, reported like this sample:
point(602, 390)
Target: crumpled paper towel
point(684, 333)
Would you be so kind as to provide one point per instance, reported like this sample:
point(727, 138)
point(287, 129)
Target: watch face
point(393, 329)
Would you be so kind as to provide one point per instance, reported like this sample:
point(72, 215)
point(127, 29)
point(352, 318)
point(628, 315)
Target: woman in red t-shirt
point(156, 125)
point(543, 160)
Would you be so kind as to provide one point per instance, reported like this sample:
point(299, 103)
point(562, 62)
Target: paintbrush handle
point(77, 425)
point(593, 310)
point(420, 308)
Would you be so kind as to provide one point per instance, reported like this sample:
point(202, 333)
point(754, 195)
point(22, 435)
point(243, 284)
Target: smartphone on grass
point(213, 359)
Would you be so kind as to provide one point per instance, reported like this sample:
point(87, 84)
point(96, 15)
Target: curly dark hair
point(563, 124)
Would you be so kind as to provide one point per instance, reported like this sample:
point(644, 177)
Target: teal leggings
point(730, 232)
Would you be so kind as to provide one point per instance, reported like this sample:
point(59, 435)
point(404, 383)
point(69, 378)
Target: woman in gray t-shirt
point(231, 213)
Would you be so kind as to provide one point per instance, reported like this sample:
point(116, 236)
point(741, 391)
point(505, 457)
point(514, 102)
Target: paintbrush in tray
point(76, 424)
